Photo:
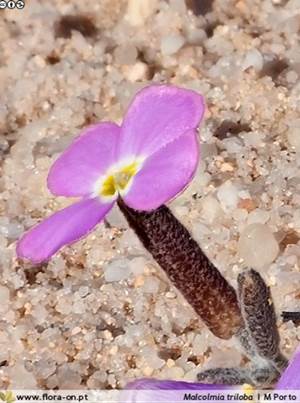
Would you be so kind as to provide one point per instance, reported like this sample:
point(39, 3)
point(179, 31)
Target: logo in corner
point(7, 397)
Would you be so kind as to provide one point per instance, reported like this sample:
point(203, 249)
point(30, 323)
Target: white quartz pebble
point(170, 44)
point(257, 246)
point(116, 270)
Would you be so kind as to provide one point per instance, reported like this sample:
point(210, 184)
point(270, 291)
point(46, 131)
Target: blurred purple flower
point(147, 161)
point(290, 380)
point(150, 390)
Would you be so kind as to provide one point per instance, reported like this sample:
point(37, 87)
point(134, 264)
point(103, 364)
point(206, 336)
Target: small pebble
point(211, 209)
point(228, 195)
point(151, 285)
point(258, 216)
point(254, 59)
point(139, 10)
point(116, 270)
point(257, 246)
point(137, 265)
point(126, 54)
point(171, 44)
point(137, 72)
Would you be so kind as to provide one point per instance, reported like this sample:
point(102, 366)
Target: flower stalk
point(188, 268)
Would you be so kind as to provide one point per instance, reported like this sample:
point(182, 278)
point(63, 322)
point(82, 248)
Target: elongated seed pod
point(225, 376)
point(188, 268)
point(258, 313)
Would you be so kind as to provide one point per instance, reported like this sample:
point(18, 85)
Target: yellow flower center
point(248, 389)
point(118, 180)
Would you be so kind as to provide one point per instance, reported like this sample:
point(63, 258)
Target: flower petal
point(75, 172)
point(164, 174)
point(290, 379)
point(151, 390)
point(61, 228)
point(153, 384)
point(158, 115)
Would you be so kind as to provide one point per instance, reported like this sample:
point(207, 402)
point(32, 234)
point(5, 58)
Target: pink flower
point(290, 379)
point(146, 161)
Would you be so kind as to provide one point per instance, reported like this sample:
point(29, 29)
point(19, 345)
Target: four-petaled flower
point(146, 161)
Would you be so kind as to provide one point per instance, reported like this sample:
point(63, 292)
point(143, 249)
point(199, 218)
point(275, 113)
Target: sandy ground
point(101, 312)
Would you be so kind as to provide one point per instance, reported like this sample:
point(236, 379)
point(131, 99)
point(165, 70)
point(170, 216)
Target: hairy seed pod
point(258, 312)
point(225, 376)
point(188, 268)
